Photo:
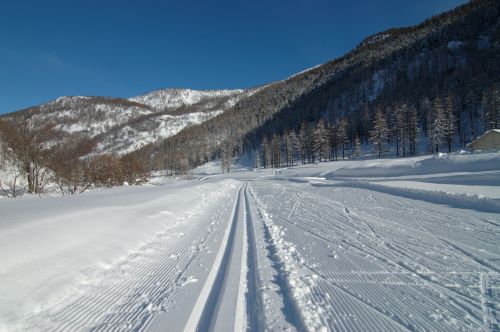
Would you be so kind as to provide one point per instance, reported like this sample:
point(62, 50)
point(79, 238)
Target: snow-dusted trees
point(342, 137)
point(442, 123)
point(289, 145)
point(357, 147)
point(11, 172)
point(266, 153)
point(320, 142)
point(413, 129)
point(29, 147)
point(449, 121)
point(399, 128)
point(257, 158)
point(438, 125)
point(490, 107)
point(405, 129)
point(379, 133)
point(303, 145)
point(333, 143)
point(276, 151)
point(68, 170)
point(226, 156)
point(425, 107)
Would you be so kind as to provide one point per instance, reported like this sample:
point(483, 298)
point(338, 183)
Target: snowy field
point(371, 245)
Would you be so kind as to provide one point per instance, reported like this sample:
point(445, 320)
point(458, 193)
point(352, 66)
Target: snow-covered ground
point(371, 245)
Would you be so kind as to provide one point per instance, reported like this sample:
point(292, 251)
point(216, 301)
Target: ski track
point(215, 311)
point(384, 263)
point(126, 296)
point(254, 301)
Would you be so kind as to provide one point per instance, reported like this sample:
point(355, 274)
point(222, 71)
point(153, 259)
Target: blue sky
point(125, 48)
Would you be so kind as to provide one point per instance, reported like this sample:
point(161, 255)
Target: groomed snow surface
point(370, 245)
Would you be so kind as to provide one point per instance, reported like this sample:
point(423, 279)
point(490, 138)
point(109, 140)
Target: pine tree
point(303, 142)
point(294, 142)
point(491, 108)
point(425, 111)
point(333, 142)
point(413, 129)
point(380, 133)
point(257, 158)
point(276, 151)
point(485, 109)
point(226, 156)
point(289, 144)
point(342, 137)
point(266, 152)
point(438, 132)
point(449, 123)
point(399, 128)
point(357, 147)
point(320, 142)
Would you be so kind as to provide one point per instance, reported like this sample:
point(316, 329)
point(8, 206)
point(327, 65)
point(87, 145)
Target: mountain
point(118, 125)
point(432, 86)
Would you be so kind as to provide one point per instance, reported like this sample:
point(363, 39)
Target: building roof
point(491, 131)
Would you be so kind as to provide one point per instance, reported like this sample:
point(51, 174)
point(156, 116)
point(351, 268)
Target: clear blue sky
point(125, 48)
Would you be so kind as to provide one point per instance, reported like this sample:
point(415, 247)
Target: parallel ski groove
point(255, 313)
point(209, 315)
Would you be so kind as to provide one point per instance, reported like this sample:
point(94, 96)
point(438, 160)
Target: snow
point(356, 245)
point(303, 72)
point(376, 38)
point(62, 247)
point(131, 138)
point(174, 98)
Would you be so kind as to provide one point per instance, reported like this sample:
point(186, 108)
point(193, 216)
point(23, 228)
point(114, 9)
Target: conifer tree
point(266, 153)
point(257, 158)
point(276, 151)
point(413, 129)
point(303, 142)
point(449, 121)
point(342, 137)
point(438, 131)
point(357, 147)
point(320, 142)
point(380, 133)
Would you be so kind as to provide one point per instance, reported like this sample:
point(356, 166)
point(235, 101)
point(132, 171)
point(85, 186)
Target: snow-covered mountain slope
point(89, 116)
point(131, 137)
point(175, 98)
point(121, 126)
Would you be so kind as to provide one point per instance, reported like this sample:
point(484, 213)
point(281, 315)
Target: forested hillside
point(432, 87)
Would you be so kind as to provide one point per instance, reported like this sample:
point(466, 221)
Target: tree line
point(32, 158)
point(439, 123)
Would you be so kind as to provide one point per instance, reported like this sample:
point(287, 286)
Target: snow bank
point(441, 163)
point(459, 200)
point(49, 246)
